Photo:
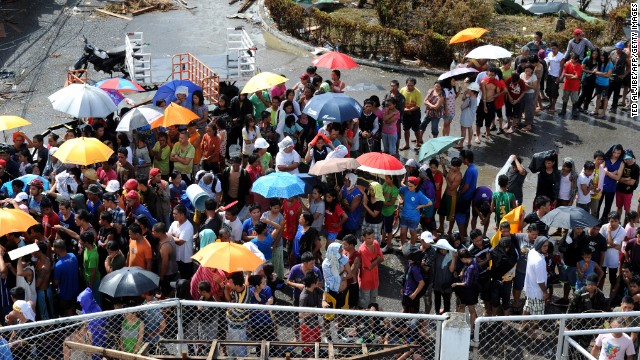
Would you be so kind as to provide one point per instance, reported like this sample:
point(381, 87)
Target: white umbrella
point(139, 117)
point(489, 52)
point(83, 101)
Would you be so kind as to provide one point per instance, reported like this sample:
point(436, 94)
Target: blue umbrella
point(167, 92)
point(278, 185)
point(333, 107)
point(7, 189)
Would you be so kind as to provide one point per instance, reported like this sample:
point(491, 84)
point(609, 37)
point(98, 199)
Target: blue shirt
point(247, 227)
point(260, 317)
point(5, 352)
point(65, 272)
point(142, 210)
point(600, 80)
point(471, 178)
point(411, 201)
point(355, 217)
point(609, 185)
point(264, 246)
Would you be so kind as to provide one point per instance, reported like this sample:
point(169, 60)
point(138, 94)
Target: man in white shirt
point(614, 346)
point(287, 159)
point(535, 281)
point(614, 234)
point(230, 222)
point(181, 231)
point(585, 186)
point(554, 62)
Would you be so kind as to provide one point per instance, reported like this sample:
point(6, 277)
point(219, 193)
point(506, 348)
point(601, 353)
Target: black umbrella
point(129, 281)
point(569, 217)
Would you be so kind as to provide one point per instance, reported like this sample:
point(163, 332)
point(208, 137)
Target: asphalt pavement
point(50, 41)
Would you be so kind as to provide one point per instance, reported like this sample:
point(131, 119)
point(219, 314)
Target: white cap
point(23, 196)
point(473, 86)
point(427, 237)
point(112, 186)
point(261, 143)
point(182, 90)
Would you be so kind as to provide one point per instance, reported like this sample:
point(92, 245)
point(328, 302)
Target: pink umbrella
point(335, 60)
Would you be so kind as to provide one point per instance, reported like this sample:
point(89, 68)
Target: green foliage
point(452, 16)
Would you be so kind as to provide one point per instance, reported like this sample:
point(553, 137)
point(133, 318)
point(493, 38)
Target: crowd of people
point(328, 245)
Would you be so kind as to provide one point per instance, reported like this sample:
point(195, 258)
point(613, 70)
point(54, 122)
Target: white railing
point(138, 62)
point(241, 54)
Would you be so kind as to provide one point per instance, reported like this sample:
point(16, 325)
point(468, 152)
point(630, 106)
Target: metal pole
point(179, 319)
point(565, 348)
point(580, 349)
point(560, 338)
point(438, 337)
point(476, 337)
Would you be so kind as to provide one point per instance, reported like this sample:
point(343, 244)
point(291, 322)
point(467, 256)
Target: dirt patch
point(128, 7)
point(527, 25)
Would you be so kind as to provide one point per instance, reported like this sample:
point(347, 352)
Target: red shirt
point(499, 100)
point(571, 69)
point(438, 178)
point(291, 212)
point(331, 218)
point(352, 260)
point(515, 89)
point(48, 222)
point(105, 177)
point(369, 279)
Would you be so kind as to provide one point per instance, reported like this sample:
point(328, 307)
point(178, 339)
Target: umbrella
point(569, 217)
point(457, 72)
point(139, 117)
point(83, 151)
point(513, 217)
point(120, 85)
point(6, 187)
point(334, 60)
point(167, 92)
point(15, 220)
point(364, 87)
point(436, 146)
point(115, 96)
point(263, 81)
point(228, 257)
point(83, 101)
point(489, 52)
point(333, 107)
point(129, 281)
point(467, 34)
point(8, 122)
point(381, 164)
point(278, 185)
point(324, 167)
point(174, 114)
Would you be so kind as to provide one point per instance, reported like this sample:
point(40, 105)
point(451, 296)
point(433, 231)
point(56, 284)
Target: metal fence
point(572, 348)
point(173, 328)
point(537, 336)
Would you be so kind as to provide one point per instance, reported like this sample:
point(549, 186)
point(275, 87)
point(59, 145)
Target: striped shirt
point(239, 317)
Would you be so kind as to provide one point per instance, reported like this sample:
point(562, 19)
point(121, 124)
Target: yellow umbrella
point(513, 218)
point(228, 257)
point(174, 114)
point(8, 122)
point(83, 151)
point(467, 34)
point(15, 220)
point(264, 80)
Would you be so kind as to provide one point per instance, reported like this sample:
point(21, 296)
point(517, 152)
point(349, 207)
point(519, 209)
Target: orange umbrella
point(228, 257)
point(174, 114)
point(15, 220)
point(467, 34)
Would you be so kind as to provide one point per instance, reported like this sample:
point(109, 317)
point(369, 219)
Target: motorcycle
point(109, 61)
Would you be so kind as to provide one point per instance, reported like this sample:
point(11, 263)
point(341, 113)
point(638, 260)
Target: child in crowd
point(468, 113)
point(585, 267)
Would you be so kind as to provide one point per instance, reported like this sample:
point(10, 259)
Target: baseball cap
point(412, 163)
point(304, 76)
point(112, 186)
point(22, 197)
point(261, 143)
point(414, 180)
point(620, 45)
point(94, 189)
point(110, 197)
point(578, 31)
point(153, 172)
point(427, 237)
point(628, 154)
point(131, 184)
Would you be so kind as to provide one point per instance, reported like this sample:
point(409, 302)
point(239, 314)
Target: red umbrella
point(380, 163)
point(119, 84)
point(335, 60)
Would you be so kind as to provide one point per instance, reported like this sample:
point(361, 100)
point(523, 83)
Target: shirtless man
point(448, 203)
point(43, 274)
point(486, 108)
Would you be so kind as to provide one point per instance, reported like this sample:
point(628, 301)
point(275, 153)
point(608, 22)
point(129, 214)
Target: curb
point(269, 26)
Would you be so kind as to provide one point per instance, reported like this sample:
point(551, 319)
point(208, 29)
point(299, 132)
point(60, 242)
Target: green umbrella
point(436, 146)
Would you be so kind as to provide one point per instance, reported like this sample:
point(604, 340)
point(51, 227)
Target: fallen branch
point(245, 5)
point(113, 14)
point(143, 10)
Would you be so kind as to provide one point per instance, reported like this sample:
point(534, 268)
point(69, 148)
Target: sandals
point(477, 140)
point(526, 128)
point(404, 148)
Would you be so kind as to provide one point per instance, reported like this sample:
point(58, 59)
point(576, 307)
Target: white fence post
point(455, 338)
point(561, 342)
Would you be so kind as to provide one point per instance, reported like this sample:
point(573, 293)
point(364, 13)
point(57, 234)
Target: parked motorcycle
point(109, 61)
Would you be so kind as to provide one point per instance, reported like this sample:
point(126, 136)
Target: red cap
point(131, 184)
point(578, 31)
point(3, 163)
point(414, 180)
point(153, 172)
point(304, 76)
point(133, 195)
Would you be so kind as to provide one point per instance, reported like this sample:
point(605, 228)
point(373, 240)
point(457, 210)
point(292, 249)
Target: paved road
point(50, 42)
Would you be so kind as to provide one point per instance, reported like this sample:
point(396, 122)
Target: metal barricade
point(188, 67)
point(77, 77)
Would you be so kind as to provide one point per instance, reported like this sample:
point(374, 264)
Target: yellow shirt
point(411, 99)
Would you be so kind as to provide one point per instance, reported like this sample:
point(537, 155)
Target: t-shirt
point(532, 218)
point(139, 253)
point(584, 180)
point(516, 181)
point(483, 193)
point(601, 80)
point(470, 178)
point(161, 160)
point(317, 207)
point(296, 275)
point(412, 279)
point(536, 274)
point(333, 217)
point(90, 260)
point(502, 201)
point(391, 128)
point(612, 348)
point(283, 158)
point(376, 206)
point(411, 201)
point(234, 227)
point(611, 257)
point(48, 222)
point(264, 246)
point(65, 272)
point(413, 98)
point(629, 172)
point(572, 69)
point(390, 193)
point(183, 232)
point(188, 152)
point(311, 299)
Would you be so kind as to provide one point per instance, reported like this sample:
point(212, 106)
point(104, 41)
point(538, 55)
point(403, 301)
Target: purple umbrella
point(115, 96)
point(456, 72)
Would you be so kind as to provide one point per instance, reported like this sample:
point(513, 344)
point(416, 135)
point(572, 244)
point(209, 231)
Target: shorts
point(518, 281)
point(602, 90)
point(377, 229)
point(309, 334)
point(408, 223)
point(447, 206)
point(499, 113)
point(501, 294)
point(387, 223)
point(624, 201)
point(448, 118)
point(331, 236)
point(411, 121)
point(534, 306)
point(337, 301)
point(367, 297)
point(552, 87)
point(568, 275)
point(354, 292)
point(484, 281)
point(463, 207)
point(627, 80)
point(486, 118)
point(468, 295)
point(410, 306)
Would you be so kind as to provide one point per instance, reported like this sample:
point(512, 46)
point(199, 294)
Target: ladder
point(188, 67)
point(138, 66)
point(241, 54)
